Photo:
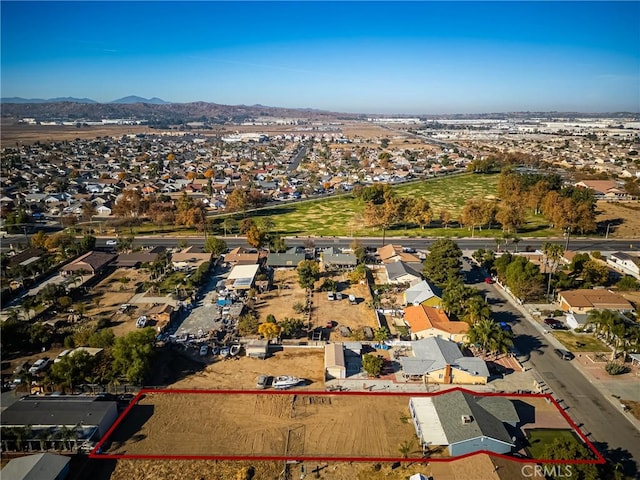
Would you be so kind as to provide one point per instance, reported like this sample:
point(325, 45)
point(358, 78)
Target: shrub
point(615, 368)
point(328, 285)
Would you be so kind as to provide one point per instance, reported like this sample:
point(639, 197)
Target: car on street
point(488, 280)
point(39, 365)
point(111, 243)
point(564, 354)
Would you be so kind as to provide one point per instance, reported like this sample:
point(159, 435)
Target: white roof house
point(243, 276)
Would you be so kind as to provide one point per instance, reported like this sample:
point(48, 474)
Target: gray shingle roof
point(35, 467)
point(435, 353)
point(52, 411)
point(452, 406)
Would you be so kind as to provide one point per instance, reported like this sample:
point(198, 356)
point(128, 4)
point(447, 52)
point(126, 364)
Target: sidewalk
point(581, 362)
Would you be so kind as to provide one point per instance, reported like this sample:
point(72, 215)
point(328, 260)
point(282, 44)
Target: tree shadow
point(526, 344)
point(618, 459)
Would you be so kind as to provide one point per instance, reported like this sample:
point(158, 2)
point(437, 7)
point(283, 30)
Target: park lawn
point(539, 438)
point(344, 215)
point(588, 342)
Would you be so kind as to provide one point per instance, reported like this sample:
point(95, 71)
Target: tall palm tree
point(553, 252)
point(490, 337)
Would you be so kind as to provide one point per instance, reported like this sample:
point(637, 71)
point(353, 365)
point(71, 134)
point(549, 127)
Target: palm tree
point(490, 337)
point(603, 321)
point(476, 309)
point(553, 252)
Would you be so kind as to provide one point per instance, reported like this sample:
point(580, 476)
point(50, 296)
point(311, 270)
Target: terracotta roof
point(422, 317)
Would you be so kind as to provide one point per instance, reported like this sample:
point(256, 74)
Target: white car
point(204, 349)
point(111, 243)
point(39, 365)
point(61, 356)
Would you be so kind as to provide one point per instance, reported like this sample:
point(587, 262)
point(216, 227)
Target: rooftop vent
point(467, 419)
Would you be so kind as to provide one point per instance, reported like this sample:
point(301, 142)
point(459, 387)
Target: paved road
point(605, 424)
point(588, 244)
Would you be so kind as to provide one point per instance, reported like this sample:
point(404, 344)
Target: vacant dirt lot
point(624, 218)
point(258, 424)
point(279, 302)
point(28, 134)
point(241, 373)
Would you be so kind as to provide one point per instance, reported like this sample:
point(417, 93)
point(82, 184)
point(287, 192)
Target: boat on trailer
point(285, 381)
point(224, 352)
point(234, 350)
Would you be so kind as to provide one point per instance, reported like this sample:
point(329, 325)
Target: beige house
point(585, 300)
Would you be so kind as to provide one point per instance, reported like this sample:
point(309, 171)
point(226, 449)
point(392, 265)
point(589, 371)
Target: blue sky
point(368, 57)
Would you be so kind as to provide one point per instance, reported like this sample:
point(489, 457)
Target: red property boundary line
point(97, 454)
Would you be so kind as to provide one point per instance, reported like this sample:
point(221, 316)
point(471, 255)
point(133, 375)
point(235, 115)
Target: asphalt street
point(603, 423)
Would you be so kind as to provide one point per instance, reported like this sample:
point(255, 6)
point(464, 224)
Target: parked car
point(564, 354)
point(331, 296)
point(111, 243)
point(39, 365)
point(262, 382)
point(553, 323)
point(488, 280)
point(22, 367)
point(61, 356)
point(204, 349)
point(338, 296)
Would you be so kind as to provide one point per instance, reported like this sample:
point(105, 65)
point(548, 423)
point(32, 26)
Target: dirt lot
point(241, 373)
point(624, 218)
point(257, 424)
point(279, 302)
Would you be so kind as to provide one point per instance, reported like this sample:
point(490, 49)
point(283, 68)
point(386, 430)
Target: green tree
point(627, 284)
point(215, 245)
point(372, 364)
point(381, 334)
point(248, 324)
point(277, 244)
point(443, 262)
point(524, 278)
point(133, 353)
point(292, 327)
point(570, 449)
point(490, 337)
point(73, 369)
point(308, 272)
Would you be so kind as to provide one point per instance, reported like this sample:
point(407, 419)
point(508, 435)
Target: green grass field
point(344, 216)
point(539, 438)
point(587, 343)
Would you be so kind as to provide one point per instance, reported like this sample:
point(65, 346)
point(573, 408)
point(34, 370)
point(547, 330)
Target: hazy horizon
point(351, 57)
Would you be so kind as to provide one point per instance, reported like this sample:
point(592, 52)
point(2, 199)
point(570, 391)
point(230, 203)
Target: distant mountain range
point(131, 99)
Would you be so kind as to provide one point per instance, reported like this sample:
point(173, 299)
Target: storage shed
point(334, 363)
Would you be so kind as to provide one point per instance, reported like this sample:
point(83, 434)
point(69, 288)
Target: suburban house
point(425, 322)
point(334, 258)
point(162, 313)
point(89, 418)
point(242, 256)
point(603, 189)
point(585, 300)
point(135, 259)
point(394, 253)
point(188, 260)
point(576, 320)
point(423, 294)
point(334, 361)
point(91, 263)
point(284, 260)
point(625, 263)
point(463, 423)
point(436, 360)
point(242, 277)
point(41, 466)
point(401, 272)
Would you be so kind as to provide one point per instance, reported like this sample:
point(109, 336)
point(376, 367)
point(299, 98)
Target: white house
point(625, 263)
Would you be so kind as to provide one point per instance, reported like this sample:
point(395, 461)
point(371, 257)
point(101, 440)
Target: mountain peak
point(136, 99)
